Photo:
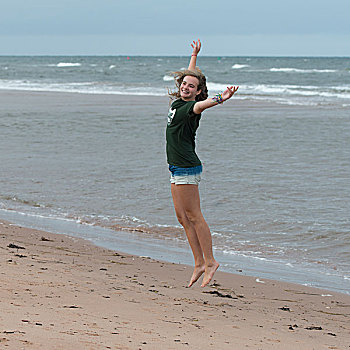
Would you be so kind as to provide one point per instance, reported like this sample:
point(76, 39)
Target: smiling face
point(189, 88)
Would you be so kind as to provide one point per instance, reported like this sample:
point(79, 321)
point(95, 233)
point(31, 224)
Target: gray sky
point(160, 27)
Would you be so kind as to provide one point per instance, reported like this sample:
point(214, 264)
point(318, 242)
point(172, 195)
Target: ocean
point(297, 81)
point(82, 152)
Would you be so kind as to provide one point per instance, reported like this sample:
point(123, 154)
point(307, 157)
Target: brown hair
point(202, 85)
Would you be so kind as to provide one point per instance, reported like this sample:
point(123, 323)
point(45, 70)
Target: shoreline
point(66, 291)
point(135, 242)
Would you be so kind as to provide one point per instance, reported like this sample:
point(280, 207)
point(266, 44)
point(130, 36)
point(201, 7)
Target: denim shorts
point(185, 176)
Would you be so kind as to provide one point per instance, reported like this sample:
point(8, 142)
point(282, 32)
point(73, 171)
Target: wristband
point(218, 98)
point(193, 55)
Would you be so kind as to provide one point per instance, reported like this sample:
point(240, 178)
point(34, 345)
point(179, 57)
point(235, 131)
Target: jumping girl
point(191, 99)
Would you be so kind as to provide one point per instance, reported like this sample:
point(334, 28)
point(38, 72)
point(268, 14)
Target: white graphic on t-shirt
point(171, 115)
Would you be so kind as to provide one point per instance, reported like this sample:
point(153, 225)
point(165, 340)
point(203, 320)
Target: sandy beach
point(60, 292)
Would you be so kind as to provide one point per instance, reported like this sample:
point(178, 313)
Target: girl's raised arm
point(196, 46)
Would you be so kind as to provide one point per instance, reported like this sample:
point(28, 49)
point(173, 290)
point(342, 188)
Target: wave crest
point(297, 70)
point(240, 66)
point(68, 64)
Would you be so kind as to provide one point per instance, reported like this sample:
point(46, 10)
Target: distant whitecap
point(168, 78)
point(239, 66)
point(68, 64)
point(296, 70)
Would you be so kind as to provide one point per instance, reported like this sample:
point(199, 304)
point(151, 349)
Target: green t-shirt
point(181, 134)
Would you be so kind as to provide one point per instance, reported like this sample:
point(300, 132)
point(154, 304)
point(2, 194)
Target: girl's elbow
point(197, 110)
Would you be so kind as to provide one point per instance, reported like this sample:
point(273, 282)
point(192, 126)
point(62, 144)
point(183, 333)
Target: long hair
point(179, 77)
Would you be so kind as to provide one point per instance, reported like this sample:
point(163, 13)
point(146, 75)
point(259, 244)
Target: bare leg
point(188, 203)
point(199, 264)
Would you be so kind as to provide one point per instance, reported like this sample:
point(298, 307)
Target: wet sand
point(59, 292)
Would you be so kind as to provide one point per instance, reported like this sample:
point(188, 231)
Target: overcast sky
point(160, 27)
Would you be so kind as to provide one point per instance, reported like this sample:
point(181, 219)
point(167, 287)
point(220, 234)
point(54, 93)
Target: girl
point(184, 164)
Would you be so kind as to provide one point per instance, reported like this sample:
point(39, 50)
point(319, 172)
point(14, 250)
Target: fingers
point(196, 45)
point(228, 93)
point(232, 89)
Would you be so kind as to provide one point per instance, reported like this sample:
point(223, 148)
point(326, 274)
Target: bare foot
point(209, 273)
point(198, 271)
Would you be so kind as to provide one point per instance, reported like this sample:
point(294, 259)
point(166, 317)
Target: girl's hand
point(228, 93)
point(196, 46)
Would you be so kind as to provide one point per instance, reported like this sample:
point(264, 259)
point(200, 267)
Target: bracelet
point(218, 98)
point(194, 55)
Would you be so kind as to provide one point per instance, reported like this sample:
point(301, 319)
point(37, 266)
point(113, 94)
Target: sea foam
point(296, 70)
point(68, 64)
point(168, 78)
point(240, 66)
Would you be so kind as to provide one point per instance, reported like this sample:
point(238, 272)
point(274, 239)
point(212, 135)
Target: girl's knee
point(182, 219)
point(194, 216)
